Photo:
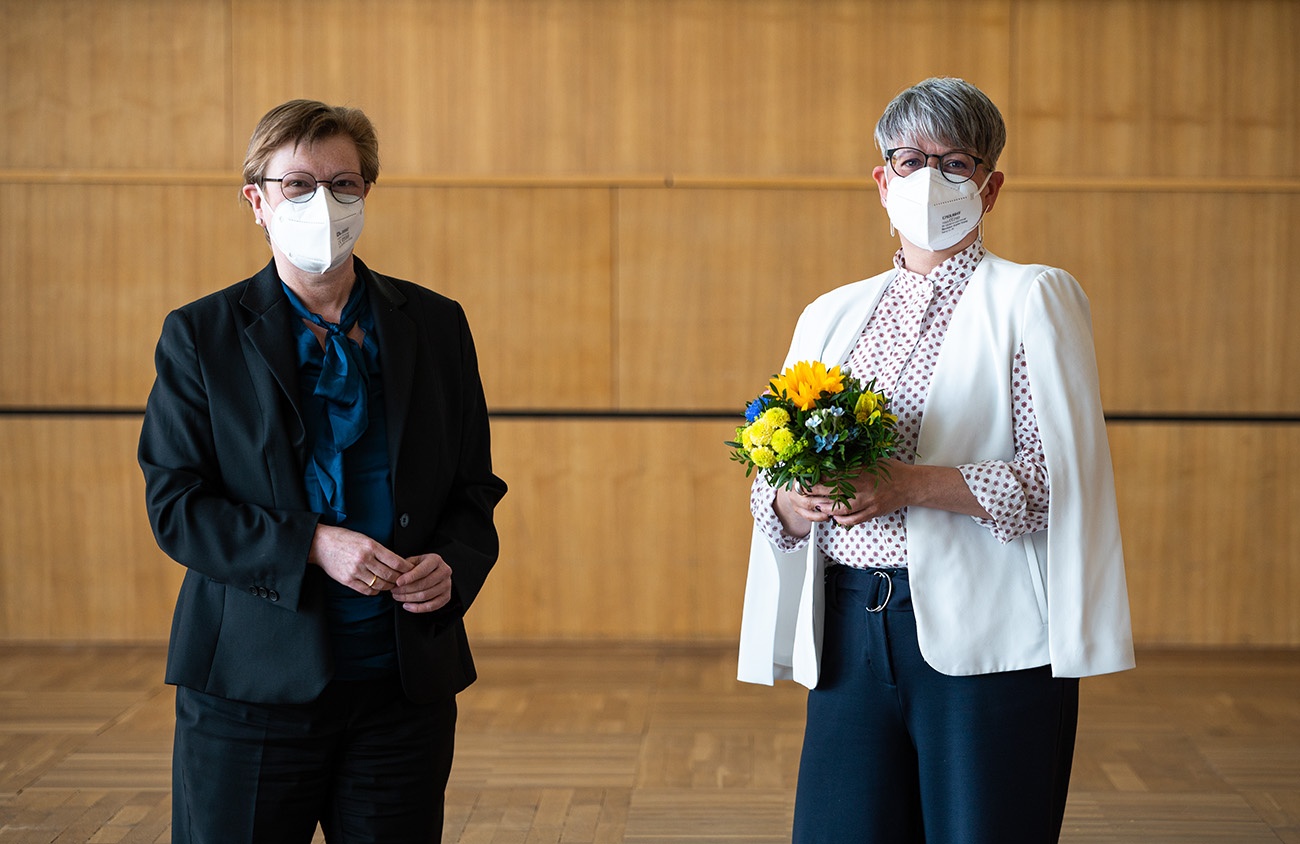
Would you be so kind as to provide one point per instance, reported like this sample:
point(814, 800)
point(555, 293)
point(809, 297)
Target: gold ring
point(373, 578)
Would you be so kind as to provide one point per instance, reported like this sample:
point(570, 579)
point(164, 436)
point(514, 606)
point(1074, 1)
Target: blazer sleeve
point(466, 536)
point(1088, 615)
point(209, 503)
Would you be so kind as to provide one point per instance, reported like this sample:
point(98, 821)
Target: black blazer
point(223, 449)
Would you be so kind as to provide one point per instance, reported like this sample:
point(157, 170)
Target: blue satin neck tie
point(343, 387)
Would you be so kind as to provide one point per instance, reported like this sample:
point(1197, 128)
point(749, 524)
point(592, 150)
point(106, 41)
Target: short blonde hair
point(305, 122)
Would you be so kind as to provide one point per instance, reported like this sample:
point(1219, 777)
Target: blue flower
point(825, 443)
point(756, 408)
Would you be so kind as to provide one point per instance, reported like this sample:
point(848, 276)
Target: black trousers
point(896, 753)
point(367, 764)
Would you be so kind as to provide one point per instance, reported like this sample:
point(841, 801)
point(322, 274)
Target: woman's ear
point(255, 199)
point(992, 189)
point(881, 182)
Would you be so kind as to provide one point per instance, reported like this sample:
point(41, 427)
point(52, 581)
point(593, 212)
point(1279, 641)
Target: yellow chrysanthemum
point(763, 457)
point(776, 417)
point(805, 382)
point(783, 442)
point(760, 433)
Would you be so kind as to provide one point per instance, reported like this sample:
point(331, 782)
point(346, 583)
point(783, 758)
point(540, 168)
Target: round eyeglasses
point(301, 187)
point(956, 167)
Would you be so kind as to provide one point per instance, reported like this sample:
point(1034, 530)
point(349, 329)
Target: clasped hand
point(420, 584)
point(874, 496)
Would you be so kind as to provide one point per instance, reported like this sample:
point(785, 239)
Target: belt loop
point(890, 582)
point(831, 578)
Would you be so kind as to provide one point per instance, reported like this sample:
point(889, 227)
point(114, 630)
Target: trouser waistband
point(878, 589)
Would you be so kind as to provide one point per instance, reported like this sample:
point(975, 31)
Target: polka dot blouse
point(899, 348)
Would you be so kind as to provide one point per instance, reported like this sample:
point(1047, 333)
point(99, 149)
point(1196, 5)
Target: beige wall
point(633, 199)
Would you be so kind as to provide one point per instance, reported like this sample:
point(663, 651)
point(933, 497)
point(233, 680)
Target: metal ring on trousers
point(889, 580)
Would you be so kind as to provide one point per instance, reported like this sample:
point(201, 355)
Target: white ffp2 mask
point(317, 235)
point(932, 212)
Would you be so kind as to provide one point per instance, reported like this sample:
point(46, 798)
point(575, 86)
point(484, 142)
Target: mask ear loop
point(892, 232)
point(984, 209)
point(257, 218)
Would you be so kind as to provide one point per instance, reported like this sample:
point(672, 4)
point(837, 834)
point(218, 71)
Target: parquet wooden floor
point(651, 745)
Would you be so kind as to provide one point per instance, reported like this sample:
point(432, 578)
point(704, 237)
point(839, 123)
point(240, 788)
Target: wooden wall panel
point(653, 87)
point(779, 88)
point(729, 270)
point(620, 529)
point(634, 199)
point(1192, 89)
point(735, 267)
point(617, 529)
point(77, 559)
point(93, 269)
point(115, 85)
point(1171, 280)
point(489, 87)
point(90, 270)
point(1213, 553)
point(1193, 294)
point(1211, 538)
point(711, 282)
point(531, 266)
point(731, 87)
point(612, 529)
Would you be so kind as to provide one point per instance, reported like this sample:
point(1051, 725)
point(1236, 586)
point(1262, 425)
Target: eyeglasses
point(300, 187)
point(956, 167)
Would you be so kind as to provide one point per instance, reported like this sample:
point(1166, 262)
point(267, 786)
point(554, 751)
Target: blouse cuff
point(762, 504)
point(999, 490)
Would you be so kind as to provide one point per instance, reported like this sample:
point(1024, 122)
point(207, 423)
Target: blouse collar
point(956, 269)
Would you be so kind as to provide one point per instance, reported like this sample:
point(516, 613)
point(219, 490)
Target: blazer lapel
point(396, 349)
point(842, 335)
point(271, 335)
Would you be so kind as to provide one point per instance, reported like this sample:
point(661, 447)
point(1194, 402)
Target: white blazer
point(1053, 597)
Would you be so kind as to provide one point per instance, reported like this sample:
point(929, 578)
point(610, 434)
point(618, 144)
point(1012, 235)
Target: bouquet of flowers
point(816, 426)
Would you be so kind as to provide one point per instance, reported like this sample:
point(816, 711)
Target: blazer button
point(252, 590)
point(404, 520)
point(261, 592)
point(273, 595)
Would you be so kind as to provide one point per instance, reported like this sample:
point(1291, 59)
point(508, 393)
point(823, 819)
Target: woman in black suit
point(316, 454)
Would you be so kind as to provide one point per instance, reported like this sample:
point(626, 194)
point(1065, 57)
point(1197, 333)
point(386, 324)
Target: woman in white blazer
point(942, 619)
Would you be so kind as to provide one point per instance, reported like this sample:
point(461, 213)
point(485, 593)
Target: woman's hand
point(426, 587)
point(355, 560)
point(907, 485)
point(875, 495)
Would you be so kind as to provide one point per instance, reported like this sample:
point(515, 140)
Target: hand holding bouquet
point(816, 426)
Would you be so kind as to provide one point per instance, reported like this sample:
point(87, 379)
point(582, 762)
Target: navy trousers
point(896, 753)
point(367, 764)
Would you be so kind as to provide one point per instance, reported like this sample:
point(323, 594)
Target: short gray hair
point(946, 111)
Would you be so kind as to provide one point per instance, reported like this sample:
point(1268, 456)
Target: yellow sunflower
point(805, 382)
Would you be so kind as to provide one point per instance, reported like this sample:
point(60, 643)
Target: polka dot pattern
point(899, 348)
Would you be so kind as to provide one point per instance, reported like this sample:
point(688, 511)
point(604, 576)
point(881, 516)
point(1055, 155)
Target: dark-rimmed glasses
point(298, 186)
point(956, 167)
